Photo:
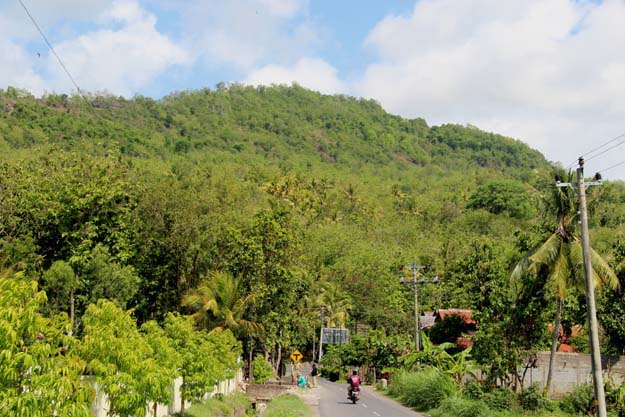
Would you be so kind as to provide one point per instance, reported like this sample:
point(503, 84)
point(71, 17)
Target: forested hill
point(303, 199)
point(280, 124)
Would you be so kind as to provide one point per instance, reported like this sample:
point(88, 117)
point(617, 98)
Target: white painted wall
point(100, 406)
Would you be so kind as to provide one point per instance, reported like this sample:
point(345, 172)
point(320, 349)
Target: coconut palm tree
point(218, 303)
point(337, 304)
point(559, 259)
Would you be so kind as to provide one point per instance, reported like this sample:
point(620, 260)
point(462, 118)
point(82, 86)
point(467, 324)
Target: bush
point(462, 407)
point(532, 399)
point(261, 369)
point(579, 401)
point(423, 390)
point(473, 390)
point(500, 399)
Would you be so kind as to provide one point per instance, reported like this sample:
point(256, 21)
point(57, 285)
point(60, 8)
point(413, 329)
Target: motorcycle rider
point(353, 381)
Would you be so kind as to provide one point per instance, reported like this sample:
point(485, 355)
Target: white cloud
point(16, 70)
point(249, 33)
point(312, 73)
point(550, 72)
point(120, 61)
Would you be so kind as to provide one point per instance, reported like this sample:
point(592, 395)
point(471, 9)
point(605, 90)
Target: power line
point(52, 49)
point(587, 154)
point(613, 166)
point(606, 150)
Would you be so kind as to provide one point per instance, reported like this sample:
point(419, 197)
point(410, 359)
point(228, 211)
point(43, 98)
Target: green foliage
point(533, 399)
point(500, 399)
point(423, 390)
point(457, 365)
point(287, 406)
point(579, 401)
point(220, 407)
point(261, 369)
point(462, 407)
point(40, 373)
point(129, 374)
point(502, 197)
point(205, 357)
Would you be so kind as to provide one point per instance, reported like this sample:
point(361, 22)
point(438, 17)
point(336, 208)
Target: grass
point(219, 407)
point(287, 406)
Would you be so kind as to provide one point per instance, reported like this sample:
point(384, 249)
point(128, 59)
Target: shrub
point(423, 390)
point(261, 369)
point(500, 399)
point(579, 401)
point(462, 407)
point(473, 390)
point(532, 399)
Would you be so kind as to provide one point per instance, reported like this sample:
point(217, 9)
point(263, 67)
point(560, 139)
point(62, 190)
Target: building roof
point(427, 322)
point(465, 314)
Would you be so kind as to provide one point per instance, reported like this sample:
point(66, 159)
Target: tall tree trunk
point(155, 408)
point(554, 345)
point(276, 368)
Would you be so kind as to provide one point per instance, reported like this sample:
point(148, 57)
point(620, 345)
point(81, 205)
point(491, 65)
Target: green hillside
point(306, 199)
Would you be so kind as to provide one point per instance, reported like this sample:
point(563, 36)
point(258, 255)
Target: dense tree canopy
point(301, 199)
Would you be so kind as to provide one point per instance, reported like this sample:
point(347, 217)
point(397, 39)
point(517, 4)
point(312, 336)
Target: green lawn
point(287, 406)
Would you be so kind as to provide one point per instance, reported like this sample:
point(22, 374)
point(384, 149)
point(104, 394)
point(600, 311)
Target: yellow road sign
point(296, 356)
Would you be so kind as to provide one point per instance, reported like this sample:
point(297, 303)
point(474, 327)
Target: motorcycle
point(355, 395)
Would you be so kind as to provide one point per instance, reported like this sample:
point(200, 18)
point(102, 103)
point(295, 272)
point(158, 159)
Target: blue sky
point(548, 72)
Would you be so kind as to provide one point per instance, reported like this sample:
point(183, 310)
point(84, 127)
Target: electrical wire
point(606, 150)
point(587, 154)
point(613, 166)
point(52, 50)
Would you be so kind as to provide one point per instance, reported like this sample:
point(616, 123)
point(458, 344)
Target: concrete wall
point(100, 406)
point(571, 369)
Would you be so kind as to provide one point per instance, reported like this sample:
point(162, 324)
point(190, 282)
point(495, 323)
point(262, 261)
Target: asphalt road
point(333, 402)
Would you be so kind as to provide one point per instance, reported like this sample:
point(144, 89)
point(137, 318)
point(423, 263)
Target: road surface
point(333, 402)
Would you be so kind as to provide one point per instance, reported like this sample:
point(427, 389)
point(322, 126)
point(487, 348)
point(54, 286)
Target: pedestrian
point(301, 381)
point(313, 373)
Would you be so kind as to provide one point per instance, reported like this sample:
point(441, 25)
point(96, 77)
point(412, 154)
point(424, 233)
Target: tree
point(40, 372)
point(206, 357)
point(165, 359)
point(130, 374)
point(559, 260)
point(219, 302)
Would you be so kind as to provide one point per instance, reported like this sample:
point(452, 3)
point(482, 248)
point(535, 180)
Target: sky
point(548, 72)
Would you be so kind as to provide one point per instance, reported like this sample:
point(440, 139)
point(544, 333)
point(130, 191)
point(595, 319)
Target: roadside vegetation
point(435, 393)
point(235, 405)
point(287, 406)
point(215, 224)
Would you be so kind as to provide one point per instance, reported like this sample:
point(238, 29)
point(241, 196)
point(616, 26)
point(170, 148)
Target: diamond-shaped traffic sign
point(296, 356)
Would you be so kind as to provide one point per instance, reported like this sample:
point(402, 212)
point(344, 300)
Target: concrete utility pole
point(323, 310)
point(590, 291)
point(414, 269)
point(590, 297)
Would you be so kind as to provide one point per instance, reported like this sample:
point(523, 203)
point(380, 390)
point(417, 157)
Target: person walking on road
point(313, 373)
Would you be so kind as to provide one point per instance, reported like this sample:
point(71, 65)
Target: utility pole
point(323, 310)
point(414, 269)
point(595, 351)
point(590, 297)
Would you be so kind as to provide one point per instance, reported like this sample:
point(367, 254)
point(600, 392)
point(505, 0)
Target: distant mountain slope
point(275, 123)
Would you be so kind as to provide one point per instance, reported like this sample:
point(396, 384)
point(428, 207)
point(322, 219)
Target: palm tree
point(560, 262)
point(218, 303)
point(337, 304)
